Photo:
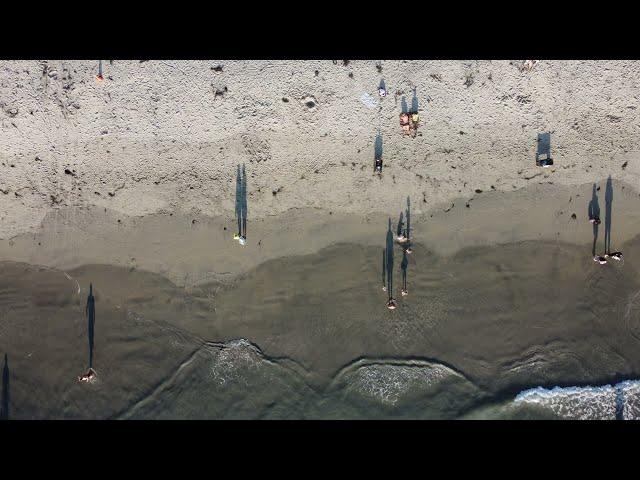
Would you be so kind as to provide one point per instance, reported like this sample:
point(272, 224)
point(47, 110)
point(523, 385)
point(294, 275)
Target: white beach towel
point(368, 100)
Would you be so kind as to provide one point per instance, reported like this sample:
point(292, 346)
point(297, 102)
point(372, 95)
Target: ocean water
point(491, 332)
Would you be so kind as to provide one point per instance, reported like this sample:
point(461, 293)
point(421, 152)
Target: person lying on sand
point(88, 377)
point(614, 255)
point(405, 123)
point(391, 304)
point(601, 260)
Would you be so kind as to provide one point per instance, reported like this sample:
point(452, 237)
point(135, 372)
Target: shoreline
point(193, 250)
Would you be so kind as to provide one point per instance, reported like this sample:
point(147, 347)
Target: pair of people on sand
point(595, 221)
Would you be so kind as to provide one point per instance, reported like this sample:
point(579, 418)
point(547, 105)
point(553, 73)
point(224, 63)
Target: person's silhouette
point(594, 216)
point(384, 270)
point(90, 311)
point(403, 265)
point(400, 226)
point(244, 203)
point(608, 201)
point(389, 255)
point(239, 201)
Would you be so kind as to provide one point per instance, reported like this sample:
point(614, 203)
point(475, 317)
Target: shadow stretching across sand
point(90, 311)
point(389, 256)
point(594, 213)
point(608, 201)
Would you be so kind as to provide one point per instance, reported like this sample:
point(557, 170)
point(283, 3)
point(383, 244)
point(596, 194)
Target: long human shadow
point(90, 311)
point(594, 212)
point(377, 146)
point(403, 105)
point(608, 201)
point(414, 101)
point(544, 148)
point(244, 202)
point(403, 266)
point(384, 267)
point(382, 85)
point(408, 217)
point(399, 230)
point(4, 408)
point(239, 200)
point(377, 150)
point(389, 255)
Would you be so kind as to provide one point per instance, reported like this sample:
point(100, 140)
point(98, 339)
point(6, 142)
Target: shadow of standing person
point(90, 311)
point(594, 214)
point(403, 266)
point(389, 255)
point(4, 408)
point(414, 101)
point(384, 269)
point(608, 201)
point(244, 203)
point(238, 203)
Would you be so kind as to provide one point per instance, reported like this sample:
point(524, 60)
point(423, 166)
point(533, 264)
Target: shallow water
point(310, 337)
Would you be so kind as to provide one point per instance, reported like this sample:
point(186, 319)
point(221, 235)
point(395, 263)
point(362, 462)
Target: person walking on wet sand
point(403, 267)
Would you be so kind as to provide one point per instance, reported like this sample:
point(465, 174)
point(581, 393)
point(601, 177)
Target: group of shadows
point(90, 312)
point(594, 218)
point(403, 233)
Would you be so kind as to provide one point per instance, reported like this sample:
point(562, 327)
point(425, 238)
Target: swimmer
point(601, 260)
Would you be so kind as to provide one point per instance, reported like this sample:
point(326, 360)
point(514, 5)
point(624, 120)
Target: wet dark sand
point(477, 327)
